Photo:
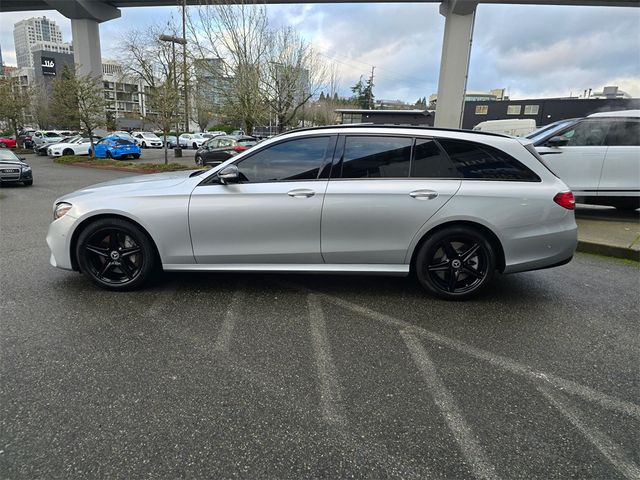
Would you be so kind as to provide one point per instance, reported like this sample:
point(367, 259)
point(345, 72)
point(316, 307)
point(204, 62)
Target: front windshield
point(51, 134)
point(542, 132)
point(149, 135)
point(6, 154)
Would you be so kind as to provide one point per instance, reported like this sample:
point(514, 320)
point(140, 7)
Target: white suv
point(598, 157)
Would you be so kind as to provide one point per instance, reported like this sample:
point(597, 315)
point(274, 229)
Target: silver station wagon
point(452, 206)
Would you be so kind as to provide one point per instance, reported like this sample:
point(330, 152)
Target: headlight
point(61, 209)
point(26, 168)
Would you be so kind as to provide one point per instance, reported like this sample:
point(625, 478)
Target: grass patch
point(108, 163)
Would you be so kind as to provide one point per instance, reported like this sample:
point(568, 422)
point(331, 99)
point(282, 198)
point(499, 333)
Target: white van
point(515, 127)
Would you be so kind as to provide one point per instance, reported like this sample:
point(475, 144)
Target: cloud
point(532, 50)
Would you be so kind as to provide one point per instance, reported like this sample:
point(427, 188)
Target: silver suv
point(452, 206)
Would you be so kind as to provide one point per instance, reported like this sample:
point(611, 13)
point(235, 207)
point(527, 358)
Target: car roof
point(392, 127)
point(617, 113)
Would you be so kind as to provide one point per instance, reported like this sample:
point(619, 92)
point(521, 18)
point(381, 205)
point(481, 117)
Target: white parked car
point(598, 157)
point(515, 127)
point(147, 140)
point(191, 140)
point(75, 146)
point(44, 137)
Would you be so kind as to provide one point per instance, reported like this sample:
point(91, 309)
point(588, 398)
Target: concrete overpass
point(86, 15)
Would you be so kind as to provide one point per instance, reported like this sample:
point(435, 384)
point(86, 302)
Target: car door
point(621, 171)
point(101, 148)
point(380, 194)
point(272, 215)
point(579, 163)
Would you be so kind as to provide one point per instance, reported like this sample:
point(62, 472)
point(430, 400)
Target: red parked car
point(8, 142)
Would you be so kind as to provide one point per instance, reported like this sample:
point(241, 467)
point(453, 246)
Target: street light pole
point(173, 39)
point(184, 64)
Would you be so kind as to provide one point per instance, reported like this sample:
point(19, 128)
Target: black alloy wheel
point(116, 254)
point(455, 263)
point(198, 160)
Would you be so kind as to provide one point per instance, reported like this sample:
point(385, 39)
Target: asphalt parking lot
point(289, 376)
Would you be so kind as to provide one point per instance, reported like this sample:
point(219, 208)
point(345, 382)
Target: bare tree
point(325, 107)
point(294, 74)
point(14, 103)
point(238, 35)
point(163, 101)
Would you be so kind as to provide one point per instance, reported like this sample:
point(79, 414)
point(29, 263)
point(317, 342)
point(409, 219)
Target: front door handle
point(424, 194)
point(301, 193)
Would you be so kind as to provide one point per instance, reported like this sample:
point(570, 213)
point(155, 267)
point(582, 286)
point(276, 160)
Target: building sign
point(48, 66)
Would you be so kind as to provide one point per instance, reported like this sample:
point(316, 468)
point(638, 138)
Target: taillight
point(239, 148)
point(565, 200)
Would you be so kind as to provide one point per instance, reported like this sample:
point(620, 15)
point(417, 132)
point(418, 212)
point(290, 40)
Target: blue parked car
point(117, 148)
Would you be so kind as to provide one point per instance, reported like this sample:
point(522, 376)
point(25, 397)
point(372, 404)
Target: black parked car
point(14, 169)
point(219, 149)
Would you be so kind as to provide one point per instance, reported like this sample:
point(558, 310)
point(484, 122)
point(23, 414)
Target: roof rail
point(384, 125)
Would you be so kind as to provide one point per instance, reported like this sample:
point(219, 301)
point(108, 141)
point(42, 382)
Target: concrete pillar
point(86, 46)
point(454, 63)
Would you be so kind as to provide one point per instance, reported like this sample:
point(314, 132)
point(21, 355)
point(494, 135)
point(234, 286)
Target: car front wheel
point(455, 263)
point(116, 254)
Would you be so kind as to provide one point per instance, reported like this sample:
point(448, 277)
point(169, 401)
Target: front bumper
point(59, 242)
point(20, 176)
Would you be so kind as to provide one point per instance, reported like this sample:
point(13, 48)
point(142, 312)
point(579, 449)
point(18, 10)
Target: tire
point(109, 154)
point(136, 155)
point(27, 183)
point(67, 151)
point(3, 145)
point(116, 254)
point(198, 160)
point(455, 263)
point(195, 146)
point(144, 145)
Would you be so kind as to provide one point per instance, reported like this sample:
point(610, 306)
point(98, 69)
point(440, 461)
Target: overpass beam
point(454, 63)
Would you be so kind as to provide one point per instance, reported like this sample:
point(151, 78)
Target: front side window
point(376, 157)
point(586, 134)
point(623, 134)
point(298, 159)
point(476, 161)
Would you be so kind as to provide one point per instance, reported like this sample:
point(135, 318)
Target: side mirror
point(557, 141)
point(23, 159)
point(229, 174)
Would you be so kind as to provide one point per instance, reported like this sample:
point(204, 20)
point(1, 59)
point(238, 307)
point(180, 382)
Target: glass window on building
point(482, 109)
point(531, 109)
point(514, 109)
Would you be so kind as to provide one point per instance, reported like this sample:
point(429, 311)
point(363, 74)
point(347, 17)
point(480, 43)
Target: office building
point(37, 33)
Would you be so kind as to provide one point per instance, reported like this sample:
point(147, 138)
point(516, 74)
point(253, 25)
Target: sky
point(532, 51)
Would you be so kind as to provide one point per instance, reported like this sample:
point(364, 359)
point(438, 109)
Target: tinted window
point(623, 133)
point(294, 160)
point(122, 141)
point(429, 161)
point(586, 134)
point(376, 157)
point(473, 160)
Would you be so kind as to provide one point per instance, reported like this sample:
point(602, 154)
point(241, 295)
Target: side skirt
point(375, 269)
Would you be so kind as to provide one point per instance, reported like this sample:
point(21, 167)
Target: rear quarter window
point(482, 162)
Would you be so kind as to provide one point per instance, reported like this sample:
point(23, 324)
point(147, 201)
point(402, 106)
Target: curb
point(608, 250)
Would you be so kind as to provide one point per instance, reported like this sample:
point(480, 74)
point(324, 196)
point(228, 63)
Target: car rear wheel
point(455, 263)
point(116, 254)
point(108, 154)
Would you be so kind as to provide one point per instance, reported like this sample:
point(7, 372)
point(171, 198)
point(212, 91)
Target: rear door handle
point(301, 193)
point(424, 194)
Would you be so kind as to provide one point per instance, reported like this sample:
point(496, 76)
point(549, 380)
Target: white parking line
point(464, 436)
point(602, 442)
point(569, 386)
point(330, 391)
point(229, 323)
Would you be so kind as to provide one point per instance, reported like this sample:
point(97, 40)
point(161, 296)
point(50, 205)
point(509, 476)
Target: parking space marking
point(568, 386)
point(602, 442)
point(330, 390)
point(464, 436)
point(229, 323)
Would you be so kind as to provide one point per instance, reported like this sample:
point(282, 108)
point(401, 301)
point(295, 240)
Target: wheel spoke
point(466, 256)
point(453, 280)
point(113, 240)
point(449, 250)
point(126, 269)
point(439, 267)
point(105, 269)
point(473, 272)
point(125, 252)
point(103, 252)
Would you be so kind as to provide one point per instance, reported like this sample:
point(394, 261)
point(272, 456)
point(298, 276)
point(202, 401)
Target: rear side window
point(429, 161)
point(475, 161)
point(376, 157)
point(623, 134)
